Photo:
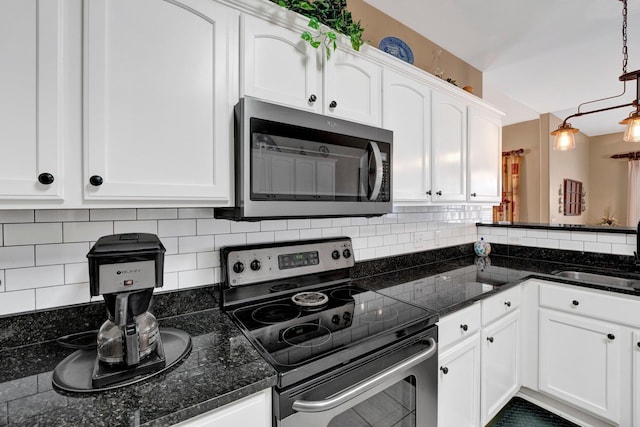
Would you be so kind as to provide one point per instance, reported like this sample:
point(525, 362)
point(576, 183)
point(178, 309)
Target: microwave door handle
point(358, 389)
point(375, 150)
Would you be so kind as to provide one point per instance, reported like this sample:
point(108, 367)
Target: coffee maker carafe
point(125, 268)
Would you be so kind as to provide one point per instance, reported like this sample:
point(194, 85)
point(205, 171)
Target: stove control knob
point(335, 254)
point(255, 265)
point(335, 319)
point(346, 253)
point(238, 267)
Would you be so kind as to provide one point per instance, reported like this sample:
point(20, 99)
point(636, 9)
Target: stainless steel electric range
point(345, 356)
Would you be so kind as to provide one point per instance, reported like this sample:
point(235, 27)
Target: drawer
point(593, 303)
point(458, 325)
point(501, 304)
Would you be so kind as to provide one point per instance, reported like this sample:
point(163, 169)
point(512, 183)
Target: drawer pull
point(490, 339)
point(611, 336)
point(575, 302)
point(638, 344)
point(508, 303)
point(464, 327)
point(444, 370)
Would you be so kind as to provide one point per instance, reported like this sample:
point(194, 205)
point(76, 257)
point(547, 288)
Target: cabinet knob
point(474, 195)
point(429, 193)
point(490, 339)
point(575, 302)
point(45, 178)
point(638, 344)
point(507, 303)
point(333, 104)
point(312, 99)
point(611, 336)
point(96, 180)
point(444, 370)
point(439, 193)
point(464, 327)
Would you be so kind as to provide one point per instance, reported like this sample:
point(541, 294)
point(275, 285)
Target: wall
point(378, 26)
point(43, 252)
point(609, 182)
point(526, 135)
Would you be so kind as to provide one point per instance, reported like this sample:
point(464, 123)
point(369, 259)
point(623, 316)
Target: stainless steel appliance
point(345, 356)
point(291, 163)
point(124, 268)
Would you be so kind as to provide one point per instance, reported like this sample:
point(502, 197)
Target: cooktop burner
point(274, 313)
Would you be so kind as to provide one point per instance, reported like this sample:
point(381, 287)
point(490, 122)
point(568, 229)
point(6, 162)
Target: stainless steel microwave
point(291, 163)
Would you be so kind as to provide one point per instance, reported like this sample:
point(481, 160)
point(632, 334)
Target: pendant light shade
point(564, 137)
point(632, 131)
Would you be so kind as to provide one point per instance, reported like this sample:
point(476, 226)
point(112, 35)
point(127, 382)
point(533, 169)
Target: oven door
point(357, 397)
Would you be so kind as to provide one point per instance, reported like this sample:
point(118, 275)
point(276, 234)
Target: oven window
point(393, 407)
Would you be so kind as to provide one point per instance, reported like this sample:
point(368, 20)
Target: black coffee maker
point(125, 268)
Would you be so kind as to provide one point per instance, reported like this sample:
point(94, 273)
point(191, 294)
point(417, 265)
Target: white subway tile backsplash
point(1, 281)
point(359, 221)
point(351, 231)
point(549, 243)
point(375, 241)
point(181, 262)
point(64, 253)
point(364, 254)
point(184, 213)
point(62, 215)
point(112, 215)
point(32, 233)
point(383, 229)
point(367, 230)
point(321, 223)
point(193, 278)
point(16, 216)
point(76, 273)
point(19, 279)
point(297, 224)
point(623, 249)
point(559, 235)
point(245, 227)
point(208, 259)
point(57, 296)
point(190, 244)
point(340, 222)
point(170, 245)
point(390, 239)
point(280, 224)
point(310, 233)
point(375, 220)
point(262, 237)
point(17, 256)
point(584, 236)
point(597, 247)
point(177, 227)
point(332, 232)
point(283, 236)
point(148, 226)
point(537, 234)
point(620, 239)
point(571, 245)
point(17, 302)
point(222, 240)
point(85, 231)
point(163, 213)
point(213, 226)
point(169, 282)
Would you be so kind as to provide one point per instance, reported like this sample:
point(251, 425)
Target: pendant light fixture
point(564, 139)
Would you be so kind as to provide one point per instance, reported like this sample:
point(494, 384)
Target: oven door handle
point(358, 389)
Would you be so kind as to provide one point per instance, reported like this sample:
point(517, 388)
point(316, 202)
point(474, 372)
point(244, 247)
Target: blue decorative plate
point(396, 47)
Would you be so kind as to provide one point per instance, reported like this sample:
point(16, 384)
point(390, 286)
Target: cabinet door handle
point(575, 302)
point(312, 99)
point(439, 193)
point(490, 339)
point(611, 336)
point(333, 104)
point(429, 193)
point(474, 195)
point(507, 303)
point(444, 370)
point(45, 178)
point(464, 327)
point(638, 344)
point(96, 180)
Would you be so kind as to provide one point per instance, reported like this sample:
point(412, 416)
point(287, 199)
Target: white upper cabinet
point(278, 66)
point(449, 148)
point(485, 154)
point(31, 91)
point(158, 99)
point(407, 112)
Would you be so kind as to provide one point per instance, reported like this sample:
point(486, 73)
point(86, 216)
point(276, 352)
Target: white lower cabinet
point(459, 384)
point(500, 373)
point(254, 411)
point(580, 362)
point(635, 391)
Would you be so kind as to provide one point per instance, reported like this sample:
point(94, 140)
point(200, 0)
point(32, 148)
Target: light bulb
point(564, 140)
point(632, 131)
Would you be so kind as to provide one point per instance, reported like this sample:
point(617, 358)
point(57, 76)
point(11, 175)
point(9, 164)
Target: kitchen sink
point(601, 279)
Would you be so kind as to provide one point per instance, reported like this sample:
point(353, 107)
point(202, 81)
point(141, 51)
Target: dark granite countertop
point(562, 227)
point(223, 366)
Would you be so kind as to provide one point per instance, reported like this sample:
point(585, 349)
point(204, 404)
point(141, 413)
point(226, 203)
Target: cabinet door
point(352, 87)
point(407, 112)
point(449, 148)
point(277, 65)
point(635, 394)
point(31, 88)
point(158, 116)
point(254, 411)
point(500, 364)
point(485, 154)
point(580, 362)
point(459, 385)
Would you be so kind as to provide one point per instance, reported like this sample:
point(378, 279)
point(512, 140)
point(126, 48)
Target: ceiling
point(537, 56)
